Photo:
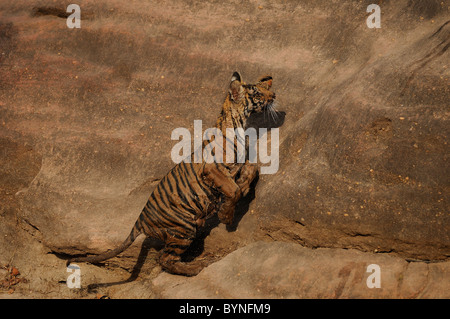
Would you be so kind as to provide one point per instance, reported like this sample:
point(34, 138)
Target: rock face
point(87, 115)
point(373, 158)
point(286, 270)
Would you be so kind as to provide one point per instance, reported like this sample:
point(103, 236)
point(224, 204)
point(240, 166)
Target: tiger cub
point(191, 192)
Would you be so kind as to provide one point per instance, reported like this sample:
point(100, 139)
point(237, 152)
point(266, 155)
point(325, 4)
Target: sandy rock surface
point(86, 117)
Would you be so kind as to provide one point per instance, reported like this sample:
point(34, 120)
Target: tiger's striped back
point(179, 200)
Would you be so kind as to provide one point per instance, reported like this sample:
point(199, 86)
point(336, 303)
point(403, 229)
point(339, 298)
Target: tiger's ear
point(236, 88)
point(236, 77)
point(265, 82)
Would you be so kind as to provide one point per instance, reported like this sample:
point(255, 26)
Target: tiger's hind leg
point(170, 259)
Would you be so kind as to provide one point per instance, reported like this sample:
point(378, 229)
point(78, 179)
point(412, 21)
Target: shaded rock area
point(86, 117)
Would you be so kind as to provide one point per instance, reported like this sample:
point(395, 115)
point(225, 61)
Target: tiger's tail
point(135, 232)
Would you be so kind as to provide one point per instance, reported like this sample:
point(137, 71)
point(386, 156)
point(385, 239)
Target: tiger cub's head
point(252, 97)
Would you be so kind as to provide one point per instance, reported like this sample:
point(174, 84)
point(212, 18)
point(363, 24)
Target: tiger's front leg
point(247, 174)
point(219, 177)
